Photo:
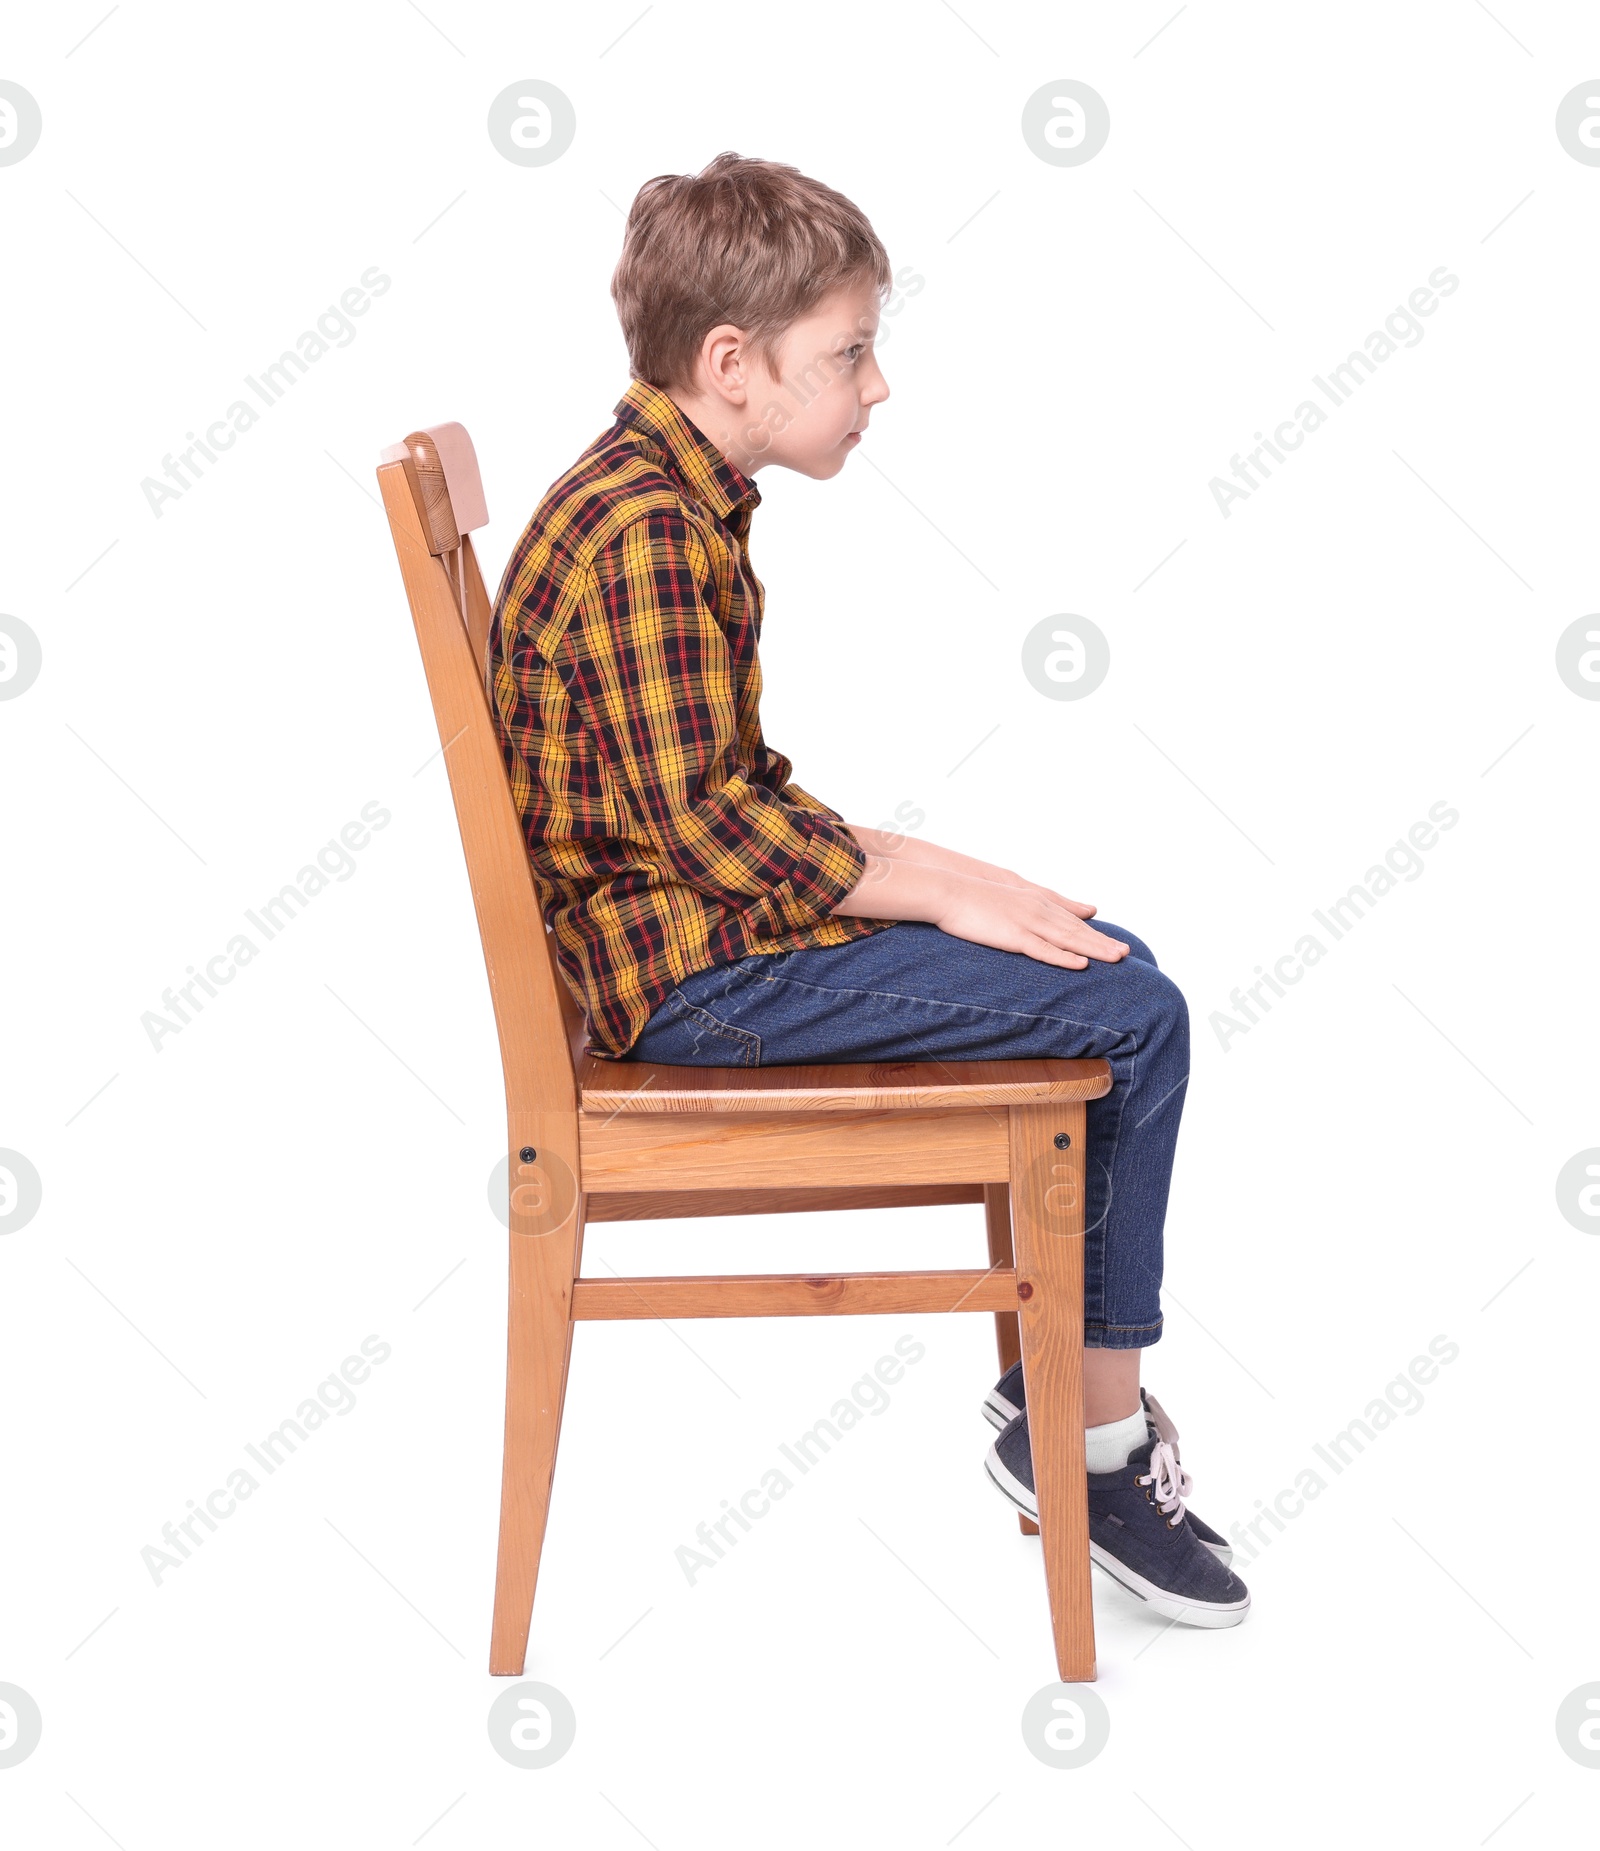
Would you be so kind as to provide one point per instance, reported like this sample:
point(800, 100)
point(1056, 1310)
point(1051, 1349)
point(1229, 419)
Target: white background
point(1371, 1166)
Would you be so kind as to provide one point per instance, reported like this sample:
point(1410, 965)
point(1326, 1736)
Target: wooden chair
point(591, 1140)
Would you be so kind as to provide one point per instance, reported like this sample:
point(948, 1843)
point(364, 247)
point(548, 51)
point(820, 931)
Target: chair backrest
point(434, 497)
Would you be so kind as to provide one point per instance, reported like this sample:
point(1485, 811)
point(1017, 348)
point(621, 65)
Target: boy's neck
point(712, 420)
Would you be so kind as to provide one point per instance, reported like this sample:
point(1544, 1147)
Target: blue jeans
point(912, 992)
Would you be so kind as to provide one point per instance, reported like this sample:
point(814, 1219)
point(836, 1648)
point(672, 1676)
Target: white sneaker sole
point(1169, 1606)
point(998, 1411)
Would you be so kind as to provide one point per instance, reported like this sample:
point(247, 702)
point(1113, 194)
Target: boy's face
point(809, 416)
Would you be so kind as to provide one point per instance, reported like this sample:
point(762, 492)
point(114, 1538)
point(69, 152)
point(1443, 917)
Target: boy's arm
point(973, 900)
point(906, 877)
point(914, 848)
point(647, 665)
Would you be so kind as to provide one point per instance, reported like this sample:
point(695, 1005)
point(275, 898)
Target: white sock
point(1107, 1448)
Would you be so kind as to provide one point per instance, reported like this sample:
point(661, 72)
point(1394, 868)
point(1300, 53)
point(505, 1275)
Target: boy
point(708, 911)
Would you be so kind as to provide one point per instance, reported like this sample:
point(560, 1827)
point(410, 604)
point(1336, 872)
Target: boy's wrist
point(892, 888)
point(914, 849)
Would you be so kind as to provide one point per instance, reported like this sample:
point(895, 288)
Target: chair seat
point(611, 1087)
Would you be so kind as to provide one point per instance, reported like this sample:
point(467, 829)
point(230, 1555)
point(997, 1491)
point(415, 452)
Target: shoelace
point(1161, 1420)
point(1169, 1481)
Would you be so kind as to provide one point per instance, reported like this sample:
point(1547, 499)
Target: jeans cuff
point(1121, 1336)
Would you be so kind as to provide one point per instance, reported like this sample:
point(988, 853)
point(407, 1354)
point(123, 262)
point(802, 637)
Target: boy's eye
point(856, 351)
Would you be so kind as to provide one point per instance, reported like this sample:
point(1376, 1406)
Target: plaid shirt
point(665, 834)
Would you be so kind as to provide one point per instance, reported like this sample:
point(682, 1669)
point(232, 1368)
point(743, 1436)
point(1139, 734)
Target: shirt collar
point(710, 476)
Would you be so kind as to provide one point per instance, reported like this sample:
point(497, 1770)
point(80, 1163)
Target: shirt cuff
point(833, 864)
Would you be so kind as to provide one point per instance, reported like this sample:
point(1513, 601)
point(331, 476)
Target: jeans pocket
point(694, 1037)
point(756, 968)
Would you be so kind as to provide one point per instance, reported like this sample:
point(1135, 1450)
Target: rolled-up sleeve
point(647, 665)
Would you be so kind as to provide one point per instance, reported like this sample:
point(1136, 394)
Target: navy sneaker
point(1139, 1531)
point(1006, 1400)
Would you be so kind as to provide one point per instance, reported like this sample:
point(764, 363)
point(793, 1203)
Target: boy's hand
point(1003, 877)
point(1008, 917)
point(886, 849)
point(1017, 916)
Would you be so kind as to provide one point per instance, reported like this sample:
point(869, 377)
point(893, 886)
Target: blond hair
point(755, 243)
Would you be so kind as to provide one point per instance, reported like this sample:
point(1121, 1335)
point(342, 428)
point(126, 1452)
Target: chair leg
point(997, 1214)
point(538, 1351)
point(1047, 1198)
